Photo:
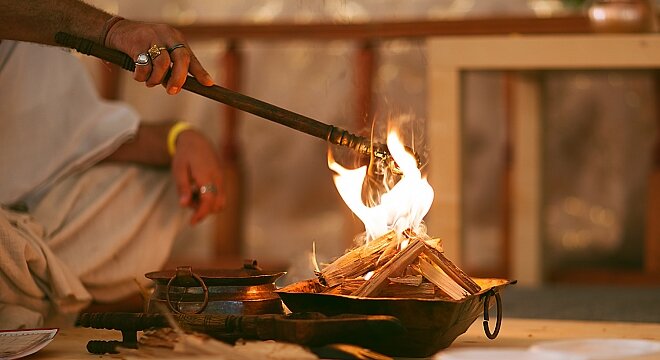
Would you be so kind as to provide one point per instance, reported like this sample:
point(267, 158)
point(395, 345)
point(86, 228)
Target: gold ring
point(208, 188)
point(154, 51)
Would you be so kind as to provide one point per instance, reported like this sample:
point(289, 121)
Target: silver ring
point(174, 47)
point(208, 188)
point(143, 59)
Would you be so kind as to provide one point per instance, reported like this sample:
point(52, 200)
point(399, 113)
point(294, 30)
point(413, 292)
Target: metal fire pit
point(431, 324)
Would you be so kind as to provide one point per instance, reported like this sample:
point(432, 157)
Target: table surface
point(517, 333)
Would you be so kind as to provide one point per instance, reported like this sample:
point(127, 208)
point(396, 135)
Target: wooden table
point(518, 333)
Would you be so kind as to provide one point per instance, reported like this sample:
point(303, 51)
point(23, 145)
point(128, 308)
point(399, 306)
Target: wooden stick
point(290, 119)
point(458, 275)
point(357, 262)
point(409, 280)
point(394, 267)
point(437, 276)
point(425, 290)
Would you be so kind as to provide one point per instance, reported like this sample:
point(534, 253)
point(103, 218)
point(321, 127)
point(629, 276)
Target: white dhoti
point(91, 229)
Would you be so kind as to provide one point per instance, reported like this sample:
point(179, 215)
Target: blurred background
point(598, 140)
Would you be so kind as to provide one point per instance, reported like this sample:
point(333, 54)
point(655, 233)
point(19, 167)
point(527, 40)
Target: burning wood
point(394, 267)
point(419, 270)
point(439, 278)
point(425, 290)
point(357, 262)
point(410, 280)
point(386, 266)
point(448, 267)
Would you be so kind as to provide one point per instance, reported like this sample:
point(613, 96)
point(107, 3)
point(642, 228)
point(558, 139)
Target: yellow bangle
point(173, 134)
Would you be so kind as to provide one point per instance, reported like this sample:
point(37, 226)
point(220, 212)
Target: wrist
point(173, 134)
point(107, 27)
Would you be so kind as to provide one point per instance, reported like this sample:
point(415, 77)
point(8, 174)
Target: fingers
point(181, 59)
point(204, 199)
point(196, 169)
point(142, 72)
point(197, 70)
point(138, 38)
point(183, 185)
point(211, 200)
point(184, 62)
point(159, 67)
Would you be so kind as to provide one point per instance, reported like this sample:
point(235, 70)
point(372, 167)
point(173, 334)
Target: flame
point(368, 275)
point(402, 207)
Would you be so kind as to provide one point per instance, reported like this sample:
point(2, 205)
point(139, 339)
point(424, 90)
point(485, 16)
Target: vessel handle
point(498, 324)
point(186, 271)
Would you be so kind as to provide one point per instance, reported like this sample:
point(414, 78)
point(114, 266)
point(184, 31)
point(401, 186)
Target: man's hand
point(39, 21)
point(195, 165)
point(133, 38)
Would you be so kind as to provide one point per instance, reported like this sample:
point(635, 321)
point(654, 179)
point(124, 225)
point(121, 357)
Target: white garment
point(52, 121)
point(110, 225)
point(93, 229)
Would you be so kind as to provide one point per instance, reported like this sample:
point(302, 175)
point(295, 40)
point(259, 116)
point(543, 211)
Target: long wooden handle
point(294, 328)
point(240, 101)
point(141, 321)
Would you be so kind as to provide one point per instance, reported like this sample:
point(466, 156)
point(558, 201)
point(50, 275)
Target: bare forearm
point(39, 20)
point(149, 147)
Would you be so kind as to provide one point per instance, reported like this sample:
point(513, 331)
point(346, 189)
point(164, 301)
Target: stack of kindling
point(387, 267)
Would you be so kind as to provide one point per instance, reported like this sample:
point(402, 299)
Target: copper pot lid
point(250, 274)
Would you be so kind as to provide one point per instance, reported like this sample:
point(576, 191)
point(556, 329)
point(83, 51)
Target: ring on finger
point(154, 51)
point(208, 188)
point(174, 47)
point(143, 59)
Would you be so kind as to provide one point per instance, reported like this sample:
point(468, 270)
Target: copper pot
point(245, 291)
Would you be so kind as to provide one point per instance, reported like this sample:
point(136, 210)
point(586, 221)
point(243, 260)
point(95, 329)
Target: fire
point(401, 208)
point(398, 259)
point(368, 275)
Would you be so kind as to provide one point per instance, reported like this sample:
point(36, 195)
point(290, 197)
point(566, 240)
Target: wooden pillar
point(445, 170)
point(504, 269)
point(652, 248)
point(364, 67)
point(229, 229)
point(527, 247)
point(364, 74)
